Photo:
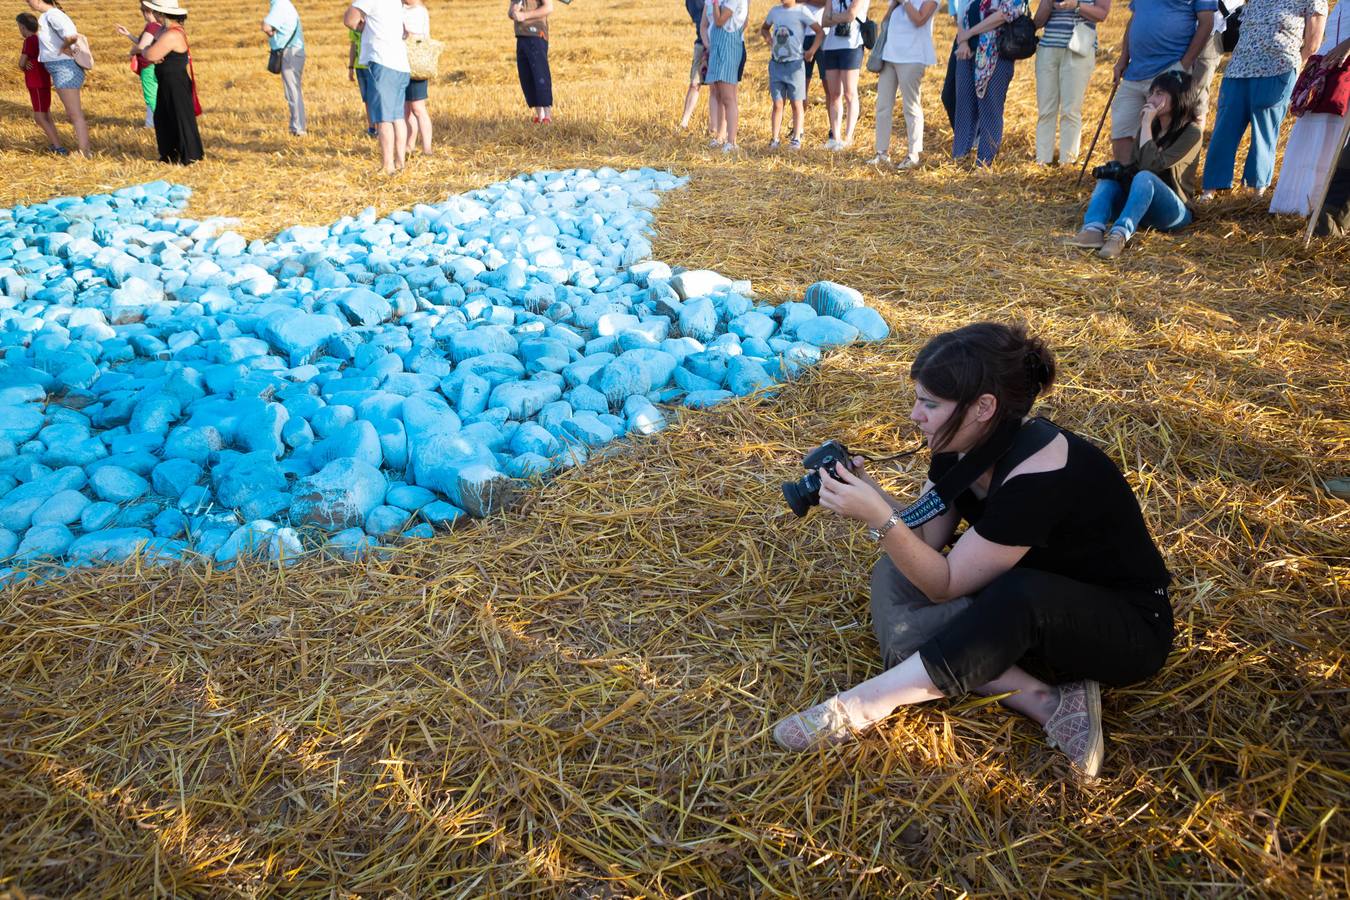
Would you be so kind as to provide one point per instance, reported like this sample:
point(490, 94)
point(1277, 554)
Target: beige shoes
point(1112, 246)
point(1075, 727)
point(1088, 239)
point(824, 723)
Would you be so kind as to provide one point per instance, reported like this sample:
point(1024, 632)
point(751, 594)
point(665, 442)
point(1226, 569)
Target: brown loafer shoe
point(1113, 246)
point(1088, 239)
point(1075, 727)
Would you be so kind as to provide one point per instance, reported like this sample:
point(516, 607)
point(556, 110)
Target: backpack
point(1232, 25)
point(1017, 39)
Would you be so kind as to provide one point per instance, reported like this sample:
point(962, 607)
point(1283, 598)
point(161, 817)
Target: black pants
point(1055, 628)
point(1334, 216)
point(536, 81)
point(949, 88)
point(809, 63)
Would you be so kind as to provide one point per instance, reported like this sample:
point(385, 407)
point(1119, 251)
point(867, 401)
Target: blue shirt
point(695, 10)
point(1160, 33)
point(285, 21)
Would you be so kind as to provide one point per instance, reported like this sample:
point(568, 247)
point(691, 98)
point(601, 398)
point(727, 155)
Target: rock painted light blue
point(163, 380)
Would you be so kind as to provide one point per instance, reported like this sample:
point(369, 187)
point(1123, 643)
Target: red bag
point(1321, 88)
point(138, 63)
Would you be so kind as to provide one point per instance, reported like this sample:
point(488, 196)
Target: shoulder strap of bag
point(1010, 446)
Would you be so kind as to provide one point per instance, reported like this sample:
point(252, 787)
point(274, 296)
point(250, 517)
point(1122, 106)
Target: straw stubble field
point(571, 697)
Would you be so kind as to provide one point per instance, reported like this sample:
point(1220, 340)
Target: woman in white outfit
point(1312, 149)
point(907, 52)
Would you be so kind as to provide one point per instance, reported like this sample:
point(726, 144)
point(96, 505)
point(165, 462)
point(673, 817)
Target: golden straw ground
point(571, 698)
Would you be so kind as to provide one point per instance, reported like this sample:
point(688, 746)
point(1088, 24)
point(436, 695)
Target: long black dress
point(175, 115)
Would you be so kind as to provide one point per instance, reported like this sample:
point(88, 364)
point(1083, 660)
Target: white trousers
point(1061, 81)
point(292, 72)
point(906, 77)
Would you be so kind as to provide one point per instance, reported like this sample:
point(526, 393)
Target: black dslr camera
point(843, 29)
point(1115, 171)
point(804, 494)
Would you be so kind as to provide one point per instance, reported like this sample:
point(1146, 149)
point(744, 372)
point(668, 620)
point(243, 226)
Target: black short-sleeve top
point(1081, 521)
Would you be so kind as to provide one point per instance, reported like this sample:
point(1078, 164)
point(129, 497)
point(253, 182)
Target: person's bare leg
point(70, 99)
point(879, 696)
point(44, 121)
point(419, 123)
point(834, 101)
point(731, 105)
point(849, 94)
point(1030, 696)
point(385, 130)
point(776, 120)
point(714, 112)
point(798, 114)
point(400, 142)
point(690, 102)
point(410, 117)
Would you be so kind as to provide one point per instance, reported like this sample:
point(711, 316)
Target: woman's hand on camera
point(853, 497)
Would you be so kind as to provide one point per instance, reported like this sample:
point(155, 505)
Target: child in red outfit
point(38, 81)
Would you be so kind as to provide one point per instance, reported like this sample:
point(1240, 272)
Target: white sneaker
point(714, 144)
point(730, 148)
point(833, 144)
point(908, 162)
point(774, 145)
point(881, 159)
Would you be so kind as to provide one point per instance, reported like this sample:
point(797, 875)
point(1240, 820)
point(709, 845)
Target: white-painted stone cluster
point(167, 387)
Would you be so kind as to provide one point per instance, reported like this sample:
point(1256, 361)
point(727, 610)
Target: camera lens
point(802, 495)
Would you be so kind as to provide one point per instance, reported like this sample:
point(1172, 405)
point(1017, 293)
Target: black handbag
point(869, 33)
point(274, 57)
point(1232, 25)
point(1017, 39)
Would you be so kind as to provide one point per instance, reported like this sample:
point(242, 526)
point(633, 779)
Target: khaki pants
point(1202, 75)
point(1061, 81)
point(907, 77)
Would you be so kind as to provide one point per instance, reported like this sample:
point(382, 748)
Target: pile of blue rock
point(170, 388)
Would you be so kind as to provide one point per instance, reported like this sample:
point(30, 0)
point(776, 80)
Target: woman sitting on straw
point(1155, 190)
point(1056, 573)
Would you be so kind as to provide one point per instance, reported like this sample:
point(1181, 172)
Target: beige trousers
point(1061, 81)
point(906, 77)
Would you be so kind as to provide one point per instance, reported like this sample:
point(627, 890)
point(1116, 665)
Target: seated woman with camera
point(1155, 189)
point(1055, 585)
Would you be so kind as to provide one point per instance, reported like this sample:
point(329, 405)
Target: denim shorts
point(387, 89)
point(840, 59)
point(363, 84)
point(787, 80)
point(66, 74)
point(417, 90)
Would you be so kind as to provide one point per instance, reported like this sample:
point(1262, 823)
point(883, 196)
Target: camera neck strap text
point(1009, 446)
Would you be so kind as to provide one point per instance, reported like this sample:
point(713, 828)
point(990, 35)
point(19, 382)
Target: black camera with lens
point(804, 494)
point(843, 29)
point(1115, 171)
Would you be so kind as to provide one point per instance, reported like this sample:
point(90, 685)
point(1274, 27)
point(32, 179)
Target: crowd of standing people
point(1283, 52)
point(1169, 55)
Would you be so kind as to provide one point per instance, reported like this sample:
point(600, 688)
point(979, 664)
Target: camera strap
point(1011, 445)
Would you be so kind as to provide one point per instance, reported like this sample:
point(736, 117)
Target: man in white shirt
point(386, 57)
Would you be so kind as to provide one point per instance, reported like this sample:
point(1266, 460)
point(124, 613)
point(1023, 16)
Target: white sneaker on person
point(731, 148)
point(714, 144)
point(881, 159)
point(833, 144)
point(795, 144)
point(774, 145)
point(908, 162)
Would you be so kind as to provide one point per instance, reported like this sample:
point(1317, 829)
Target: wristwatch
point(877, 534)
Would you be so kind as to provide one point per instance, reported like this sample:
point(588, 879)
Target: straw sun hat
point(168, 7)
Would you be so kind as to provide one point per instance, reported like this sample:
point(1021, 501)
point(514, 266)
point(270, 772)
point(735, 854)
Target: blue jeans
point(1149, 204)
point(1260, 103)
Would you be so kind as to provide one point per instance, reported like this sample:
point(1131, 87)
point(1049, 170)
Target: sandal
point(825, 723)
point(1075, 727)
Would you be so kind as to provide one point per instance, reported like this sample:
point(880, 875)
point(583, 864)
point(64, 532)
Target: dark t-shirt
point(1082, 521)
point(695, 10)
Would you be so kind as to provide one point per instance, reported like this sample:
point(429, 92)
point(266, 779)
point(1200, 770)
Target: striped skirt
point(724, 56)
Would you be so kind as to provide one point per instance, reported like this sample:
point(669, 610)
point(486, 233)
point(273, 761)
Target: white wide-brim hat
point(168, 7)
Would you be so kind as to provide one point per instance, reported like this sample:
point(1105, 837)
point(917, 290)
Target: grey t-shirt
point(788, 27)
